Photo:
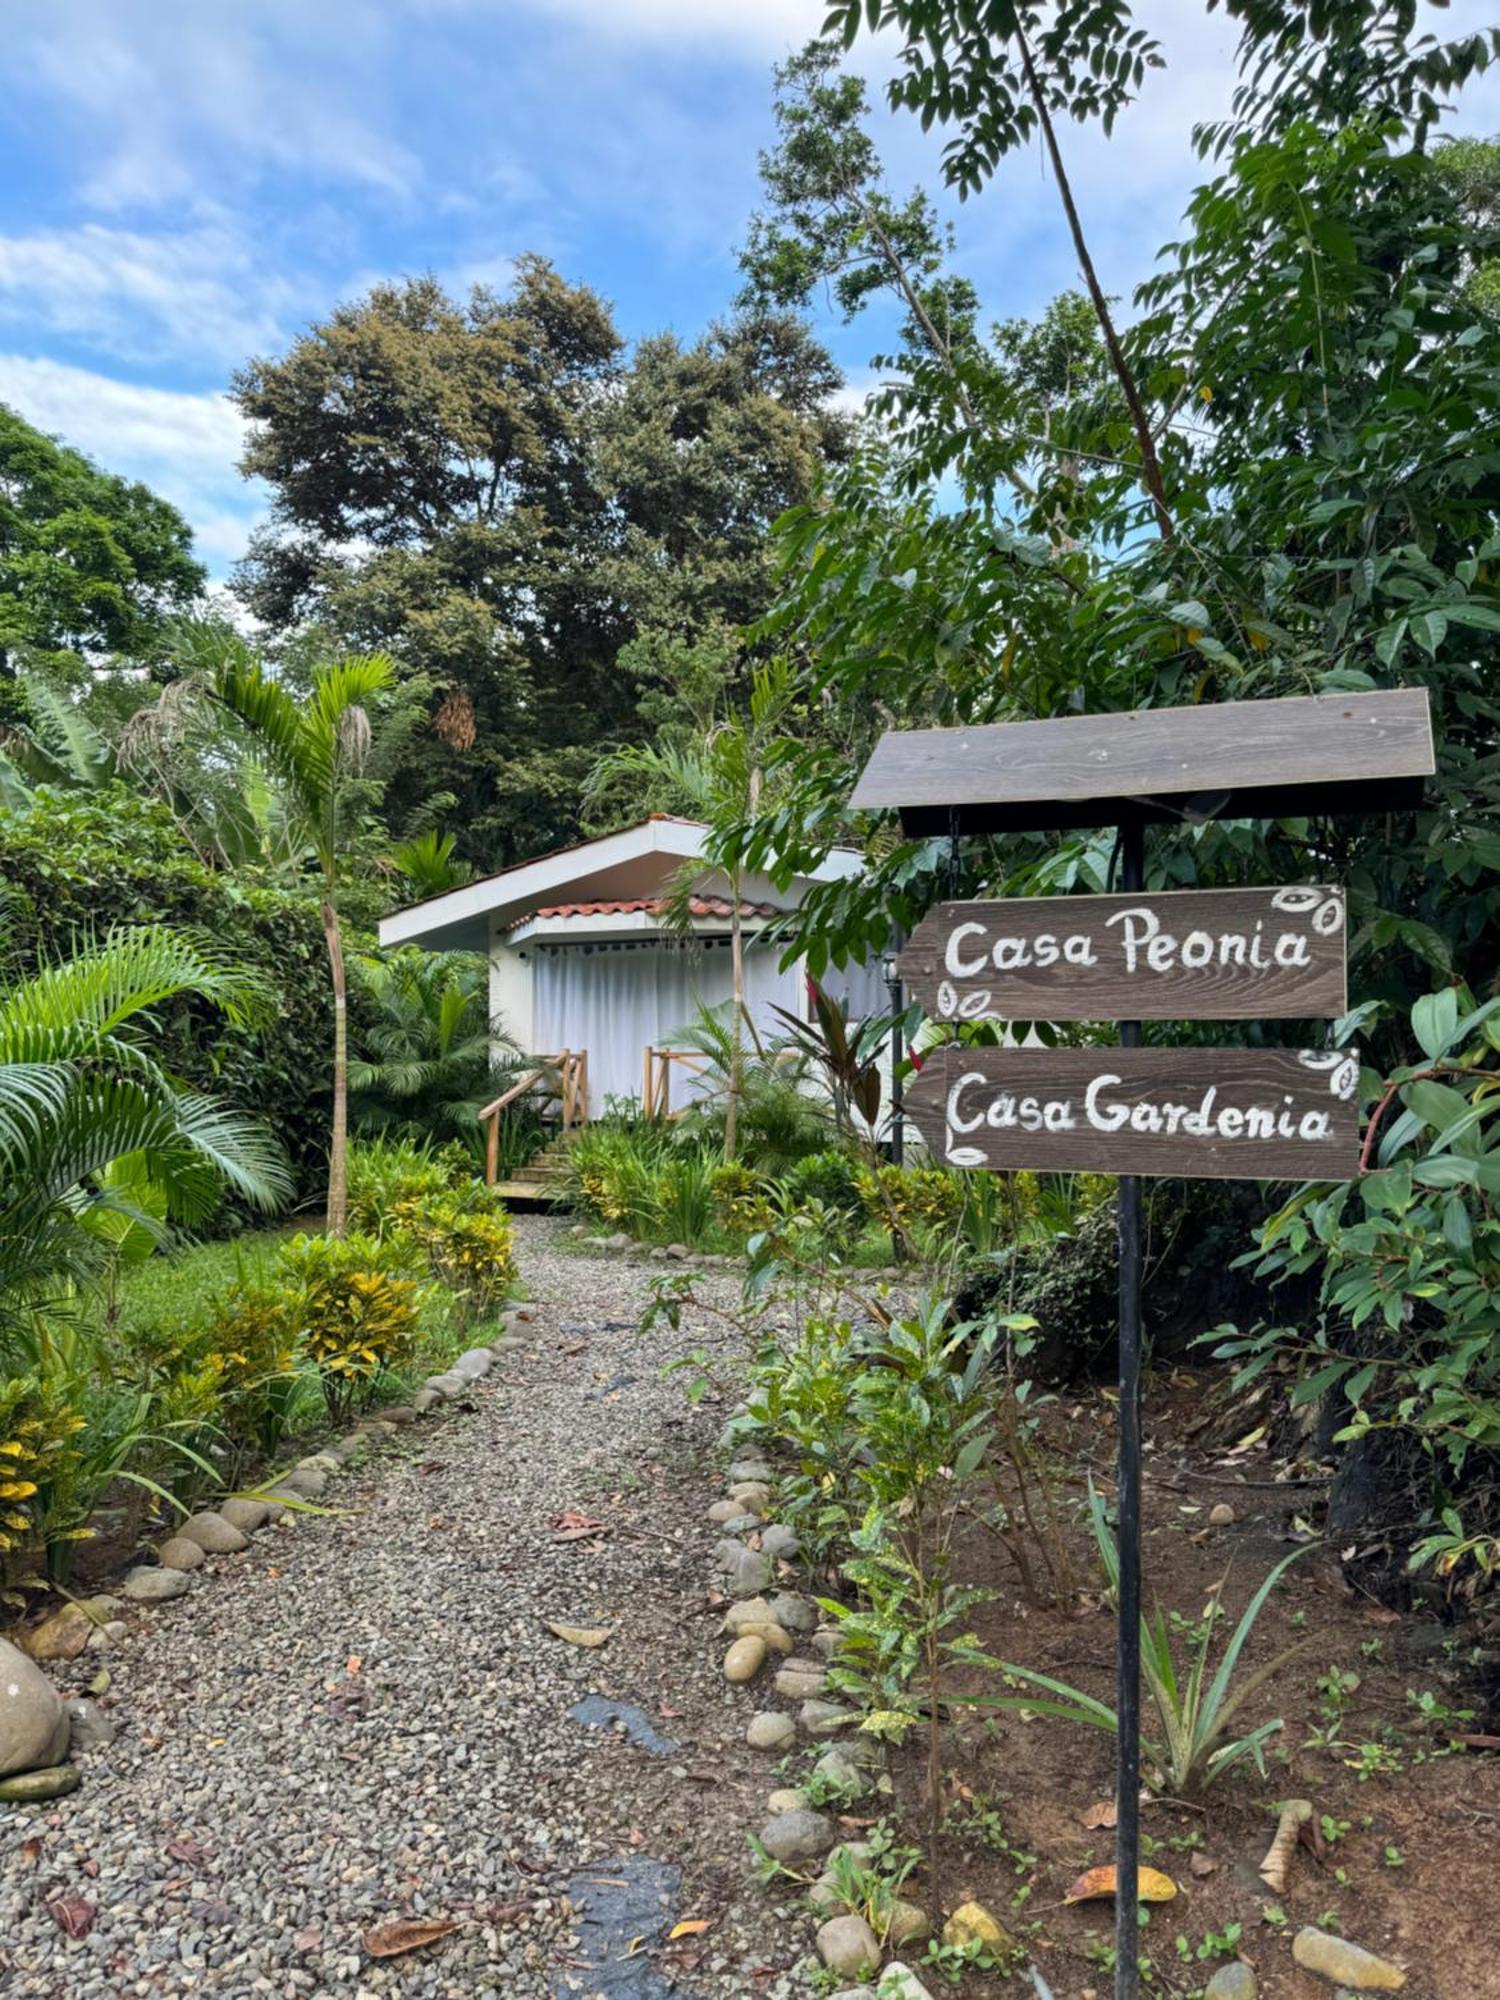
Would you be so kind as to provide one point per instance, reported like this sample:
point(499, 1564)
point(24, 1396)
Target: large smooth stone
point(797, 1836)
point(748, 1570)
point(771, 1730)
point(63, 1636)
point(311, 1481)
point(474, 1363)
point(971, 1923)
point(1232, 1982)
point(753, 1471)
point(180, 1553)
point(155, 1586)
point(30, 1786)
point(753, 1496)
point(33, 1721)
point(246, 1515)
point(213, 1534)
point(1345, 1964)
point(848, 1946)
point(745, 1659)
point(823, 1718)
point(796, 1613)
point(747, 1614)
point(899, 1982)
point(802, 1680)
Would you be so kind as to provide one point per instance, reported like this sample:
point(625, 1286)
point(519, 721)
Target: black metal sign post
point(1128, 1634)
point(1318, 754)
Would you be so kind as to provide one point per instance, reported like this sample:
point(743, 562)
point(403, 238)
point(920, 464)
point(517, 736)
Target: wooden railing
point(656, 1097)
point(567, 1073)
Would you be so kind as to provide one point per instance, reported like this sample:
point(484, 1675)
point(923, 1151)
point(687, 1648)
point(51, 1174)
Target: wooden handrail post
point(492, 1150)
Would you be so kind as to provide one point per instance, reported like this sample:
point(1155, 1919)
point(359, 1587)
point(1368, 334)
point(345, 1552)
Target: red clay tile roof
point(699, 906)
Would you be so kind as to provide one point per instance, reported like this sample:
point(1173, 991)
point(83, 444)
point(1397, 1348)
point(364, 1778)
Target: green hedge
point(73, 864)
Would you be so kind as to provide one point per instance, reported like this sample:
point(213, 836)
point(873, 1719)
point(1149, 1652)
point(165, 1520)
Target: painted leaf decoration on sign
point(1151, 1886)
point(407, 1934)
point(689, 1927)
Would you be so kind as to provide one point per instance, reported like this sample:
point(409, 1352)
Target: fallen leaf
point(102, 1682)
point(73, 1915)
point(407, 1934)
point(689, 1927)
point(1101, 1815)
point(308, 1940)
point(1202, 1864)
point(31, 1851)
point(187, 1850)
point(578, 1635)
point(353, 1664)
point(1151, 1885)
point(431, 1465)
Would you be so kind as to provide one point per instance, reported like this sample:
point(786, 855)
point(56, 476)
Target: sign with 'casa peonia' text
point(1185, 955)
point(1222, 1114)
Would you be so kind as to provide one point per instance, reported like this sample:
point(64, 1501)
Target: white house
point(581, 959)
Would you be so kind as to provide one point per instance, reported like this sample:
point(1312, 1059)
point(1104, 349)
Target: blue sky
point(184, 184)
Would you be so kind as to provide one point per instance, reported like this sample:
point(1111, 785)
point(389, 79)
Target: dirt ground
point(1412, 1864)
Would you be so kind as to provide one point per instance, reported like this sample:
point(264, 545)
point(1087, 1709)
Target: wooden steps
point(543, 1176)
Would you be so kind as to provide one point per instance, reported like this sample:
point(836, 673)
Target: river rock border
point(767, 1634)
point(38, 1730)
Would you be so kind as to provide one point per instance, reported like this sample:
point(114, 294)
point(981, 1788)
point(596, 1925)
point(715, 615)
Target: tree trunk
point(737, 1046)
point(338, 1151)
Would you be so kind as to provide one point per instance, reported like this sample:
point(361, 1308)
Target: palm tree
point(87, 1114)
point(427, 1063)
point(314, 750)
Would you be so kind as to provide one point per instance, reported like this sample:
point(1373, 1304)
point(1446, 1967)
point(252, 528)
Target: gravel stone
point(446, 1777)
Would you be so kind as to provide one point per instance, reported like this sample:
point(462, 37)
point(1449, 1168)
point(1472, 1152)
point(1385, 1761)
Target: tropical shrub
point(908, 1199)
point(466, 1237)
point(423, 1064)
point(1406, 1349)
point(38, 1452)
point(356, 1311)
point(829, 1177)
point(742, 1205)
point(253, 1348)
point(389, 1173)
point(76, 865)
point(83, 1089)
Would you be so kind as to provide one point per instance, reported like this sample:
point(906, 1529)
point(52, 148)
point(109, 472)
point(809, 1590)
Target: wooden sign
point(1218, 1114)
point(1187, 955)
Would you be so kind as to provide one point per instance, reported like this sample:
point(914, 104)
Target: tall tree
point(433, 493)
point(490, 492)
point(315, 749)
point(89, 563)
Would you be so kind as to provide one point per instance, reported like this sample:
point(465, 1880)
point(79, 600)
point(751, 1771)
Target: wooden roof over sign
point(1304, 754)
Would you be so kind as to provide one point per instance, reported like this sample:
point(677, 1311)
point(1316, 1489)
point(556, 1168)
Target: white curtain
point(618, 1000)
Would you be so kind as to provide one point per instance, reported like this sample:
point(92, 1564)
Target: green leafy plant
point(355, 1311)
point(1193, 1708)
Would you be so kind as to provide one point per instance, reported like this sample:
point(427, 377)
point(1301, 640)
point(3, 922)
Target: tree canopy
point(492, 492)
point(90, 563)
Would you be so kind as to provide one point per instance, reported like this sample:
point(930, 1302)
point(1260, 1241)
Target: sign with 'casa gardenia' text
point(1185, 955)
point(1222, 1114)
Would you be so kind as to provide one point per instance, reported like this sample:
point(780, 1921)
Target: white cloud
point(165, 94)
point(185, 447)
point(143, 297)
point(758, 25)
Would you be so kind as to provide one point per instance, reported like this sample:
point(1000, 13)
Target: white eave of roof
point(463, 919)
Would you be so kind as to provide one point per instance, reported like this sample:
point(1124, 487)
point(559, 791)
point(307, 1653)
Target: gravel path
point(364, 1718)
